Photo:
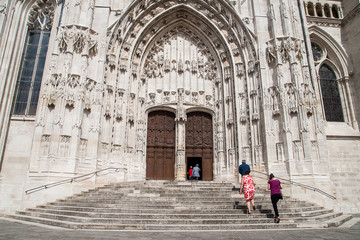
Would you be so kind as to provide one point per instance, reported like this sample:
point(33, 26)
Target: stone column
point(180, 163)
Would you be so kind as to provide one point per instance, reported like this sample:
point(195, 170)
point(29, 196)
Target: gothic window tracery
point(317, 52)
point(329, 84)
point(33, 62)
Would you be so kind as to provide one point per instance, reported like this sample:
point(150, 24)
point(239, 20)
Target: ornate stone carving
point(111, 61)
point(160, 61)
point(285, 49)
point(298, 150)
point(227, 73)
point(280, 152)
point(243, 107)
point(166, 96)
point(291, 92)
point(79, 42)
point(79, 39)
point(63, 40)
point(240, 69)
point(73, 80)
point(270, 53)
point(2, 8)
point(274, 93)
point(194, 98)
point(208, 100)
point(42, 14)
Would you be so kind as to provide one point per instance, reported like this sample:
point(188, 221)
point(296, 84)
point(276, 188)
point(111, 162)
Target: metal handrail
point(70, 180)
point(302, 185)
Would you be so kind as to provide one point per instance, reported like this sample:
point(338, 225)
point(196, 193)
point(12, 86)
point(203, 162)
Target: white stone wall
point(343, 149)
point(351, 34)
point(15, 164)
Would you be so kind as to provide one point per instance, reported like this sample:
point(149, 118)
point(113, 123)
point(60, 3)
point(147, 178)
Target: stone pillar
point(180, 163)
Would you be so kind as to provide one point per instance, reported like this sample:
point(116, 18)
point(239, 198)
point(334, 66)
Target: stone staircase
point(171, 205)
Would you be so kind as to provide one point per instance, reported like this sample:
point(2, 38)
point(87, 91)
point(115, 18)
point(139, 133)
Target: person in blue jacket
point(243, 167)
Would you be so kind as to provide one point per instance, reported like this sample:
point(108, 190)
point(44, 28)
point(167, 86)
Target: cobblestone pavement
point(13, 230)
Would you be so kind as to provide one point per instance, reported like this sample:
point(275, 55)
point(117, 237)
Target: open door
point(199, 142)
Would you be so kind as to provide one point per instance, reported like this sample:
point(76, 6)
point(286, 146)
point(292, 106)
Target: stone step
point(114, 220)
point(339, 220)
point(171, 205)
point(137, 226)
point(187, 215)
point(158, 206)
point(184, 210)
point(191, 227)
point(178, 205)
point(175, 201)
point(180, 209)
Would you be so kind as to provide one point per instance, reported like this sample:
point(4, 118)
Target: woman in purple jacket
point(274, 185)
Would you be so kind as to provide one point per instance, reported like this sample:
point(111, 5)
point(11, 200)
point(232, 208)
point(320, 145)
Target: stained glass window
point(32, 68)
point(330, 95)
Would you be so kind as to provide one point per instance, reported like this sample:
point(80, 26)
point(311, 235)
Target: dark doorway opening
point(192, 161)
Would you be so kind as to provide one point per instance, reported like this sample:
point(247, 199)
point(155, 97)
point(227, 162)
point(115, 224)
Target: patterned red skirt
point(249, 192)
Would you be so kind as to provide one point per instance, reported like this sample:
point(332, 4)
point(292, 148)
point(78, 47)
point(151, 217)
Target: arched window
point(319, 10)
point(335, 12)
point(29, 83)
point(311, 9)
point(330, 94)
point(327, 10)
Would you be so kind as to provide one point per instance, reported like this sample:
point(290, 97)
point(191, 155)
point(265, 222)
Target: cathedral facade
point(152, 87)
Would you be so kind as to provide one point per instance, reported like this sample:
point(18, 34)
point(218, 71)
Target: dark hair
point(271, 176)
point(246, 172)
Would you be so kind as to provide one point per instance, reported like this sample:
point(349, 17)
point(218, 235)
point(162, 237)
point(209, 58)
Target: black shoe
point(277, 220)
point(254, 208)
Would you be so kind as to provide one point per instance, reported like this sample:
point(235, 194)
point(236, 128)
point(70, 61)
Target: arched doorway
point(199, 143)
point(160, 160)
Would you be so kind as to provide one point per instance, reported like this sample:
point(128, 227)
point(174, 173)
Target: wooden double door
point(161, 144)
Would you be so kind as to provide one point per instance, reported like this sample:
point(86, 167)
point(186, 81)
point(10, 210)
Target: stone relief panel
point(179, 59)
point(77, 39)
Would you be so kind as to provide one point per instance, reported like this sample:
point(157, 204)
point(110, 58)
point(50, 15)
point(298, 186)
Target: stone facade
point(249, 64)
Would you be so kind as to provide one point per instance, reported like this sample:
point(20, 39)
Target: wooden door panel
point(199, 141)
point(160, 160)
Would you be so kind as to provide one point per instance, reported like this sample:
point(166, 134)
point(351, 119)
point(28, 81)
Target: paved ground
point(12, 230)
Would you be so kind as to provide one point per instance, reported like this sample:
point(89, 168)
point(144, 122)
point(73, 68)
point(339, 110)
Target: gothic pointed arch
point(333, 67)
point(39, 23)
point(334, 51)
point(216, 19)
point(186, 54)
